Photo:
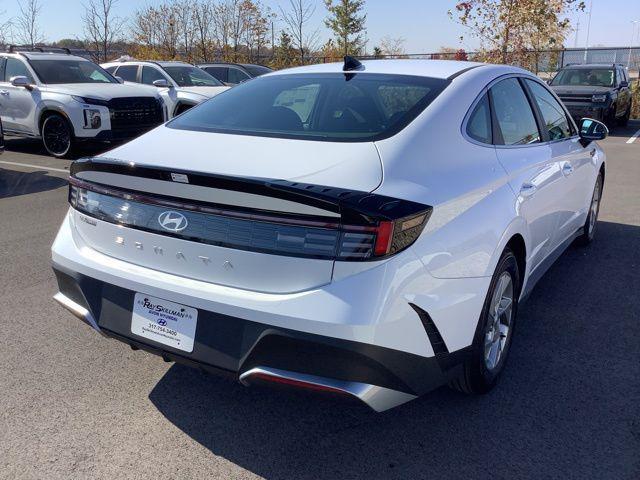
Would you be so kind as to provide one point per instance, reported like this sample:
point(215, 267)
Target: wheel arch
point(50, 110)
point(181, 107)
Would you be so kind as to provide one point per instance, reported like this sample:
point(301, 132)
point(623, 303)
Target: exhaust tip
point(377, 398)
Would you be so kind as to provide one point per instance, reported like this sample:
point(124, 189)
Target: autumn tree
point(284, 53)
point(509, 30)
point(296, 19)
point(347, 22)
point(101, 26)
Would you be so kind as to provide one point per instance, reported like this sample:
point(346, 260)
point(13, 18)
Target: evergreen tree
point(348, 24)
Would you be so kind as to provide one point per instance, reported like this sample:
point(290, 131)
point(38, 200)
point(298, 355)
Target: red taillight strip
point(137, 197)
point(296, 383)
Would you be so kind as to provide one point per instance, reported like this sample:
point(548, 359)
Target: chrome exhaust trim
point(378, 398)
point(77, 310)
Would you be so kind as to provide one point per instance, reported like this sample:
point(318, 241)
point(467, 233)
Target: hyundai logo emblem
point(172, 221)
point(162, 322)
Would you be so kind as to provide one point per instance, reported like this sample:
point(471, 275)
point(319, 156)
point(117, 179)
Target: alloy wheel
point(499, 323)
point(56, 135)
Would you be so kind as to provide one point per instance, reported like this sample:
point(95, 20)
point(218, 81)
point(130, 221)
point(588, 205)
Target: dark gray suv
point(599, 91)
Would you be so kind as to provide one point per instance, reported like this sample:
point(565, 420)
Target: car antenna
point(351, 63)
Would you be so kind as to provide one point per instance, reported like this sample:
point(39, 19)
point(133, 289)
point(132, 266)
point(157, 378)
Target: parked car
point(1, 138)
point(234, 73)
point(374, 233)
point(64, 100)
point(180, 84)
point(599, 91)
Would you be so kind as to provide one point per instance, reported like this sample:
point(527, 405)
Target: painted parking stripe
point(38, 167)
point(634, 137)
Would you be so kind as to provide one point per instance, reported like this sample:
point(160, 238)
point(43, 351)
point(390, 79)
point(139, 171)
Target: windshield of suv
point(70, 71)
point(331, 107)
point(590, 77)
point(187, 76)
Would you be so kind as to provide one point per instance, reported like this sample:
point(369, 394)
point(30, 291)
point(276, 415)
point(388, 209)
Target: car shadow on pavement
point(566, 407)
point(625, 131)
point(34, 146)
point(14, 183)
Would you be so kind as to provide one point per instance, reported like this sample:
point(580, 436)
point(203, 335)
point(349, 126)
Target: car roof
point(162, 63)
point(425, 68)
point(47, 55)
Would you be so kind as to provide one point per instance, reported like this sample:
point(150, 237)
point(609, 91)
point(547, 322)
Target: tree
point(203, 25)
point(347, 23)
point(101, 26)
point(510, 29)
point(27, 23)
point(392, 46)
point(296, 20)
point(284, 52)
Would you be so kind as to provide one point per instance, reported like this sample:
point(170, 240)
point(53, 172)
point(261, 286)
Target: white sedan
point(365, 228)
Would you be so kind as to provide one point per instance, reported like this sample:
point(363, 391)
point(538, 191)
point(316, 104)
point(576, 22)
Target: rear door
point(17, 104)
point(573, 159)
point(535, 174)
point(219, 72)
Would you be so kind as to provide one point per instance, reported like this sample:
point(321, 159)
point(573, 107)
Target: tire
point(57, 136)
point(589, 227)
point(491, 345)
point(624, 120)
point(610, 120)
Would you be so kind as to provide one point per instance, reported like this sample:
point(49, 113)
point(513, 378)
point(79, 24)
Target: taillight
point(366, 237)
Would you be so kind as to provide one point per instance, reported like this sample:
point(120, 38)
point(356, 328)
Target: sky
point(423, 24)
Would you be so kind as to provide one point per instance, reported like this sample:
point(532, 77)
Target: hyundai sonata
point(367, 229)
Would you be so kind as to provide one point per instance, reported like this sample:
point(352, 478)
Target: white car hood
point(207, 92)
point(348, 165)
point(102, 91)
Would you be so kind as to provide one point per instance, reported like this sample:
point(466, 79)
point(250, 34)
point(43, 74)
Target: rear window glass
point(330, 107)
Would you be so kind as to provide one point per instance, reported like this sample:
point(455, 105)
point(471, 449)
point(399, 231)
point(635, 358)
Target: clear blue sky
point(424, 24)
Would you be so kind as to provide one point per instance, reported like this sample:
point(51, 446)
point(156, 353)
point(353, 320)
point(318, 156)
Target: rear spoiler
point(353, 207)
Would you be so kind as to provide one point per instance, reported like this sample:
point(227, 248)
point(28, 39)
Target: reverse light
point(599, 98)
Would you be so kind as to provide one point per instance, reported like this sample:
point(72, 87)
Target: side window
point(479, 124)
point(111, 69)
point(221, 73)
point(236, 75)
point(2, 61)
point(15, 68)
point(128, 72)
point(150, 75)
point(516, 123)
point(553, 114)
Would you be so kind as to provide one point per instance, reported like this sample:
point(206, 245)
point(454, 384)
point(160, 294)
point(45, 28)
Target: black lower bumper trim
point(230, 345)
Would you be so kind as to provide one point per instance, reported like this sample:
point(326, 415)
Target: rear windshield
point(588, 77)
point(70, 71)
point(331, 107)
point(257, 70)
point(188, 76)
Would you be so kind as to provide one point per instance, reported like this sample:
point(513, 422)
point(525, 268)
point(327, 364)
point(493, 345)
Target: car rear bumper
point(253, 352)
point(362, 334)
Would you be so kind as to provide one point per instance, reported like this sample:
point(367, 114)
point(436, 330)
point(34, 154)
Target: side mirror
point(624, 84)
point(592, 130)
point(120, 79)
point(162, 83)
point(21, 81)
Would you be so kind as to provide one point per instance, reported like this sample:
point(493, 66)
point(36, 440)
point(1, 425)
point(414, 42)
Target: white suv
point(65, 99)
point(368, 229)
point(180, 84)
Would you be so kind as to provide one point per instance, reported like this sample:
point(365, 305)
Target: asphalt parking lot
point(75, 405)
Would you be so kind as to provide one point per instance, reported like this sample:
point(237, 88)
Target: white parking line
point(634, 137)
point(38, 167)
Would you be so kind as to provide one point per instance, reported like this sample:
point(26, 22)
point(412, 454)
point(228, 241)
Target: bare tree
point(101, 26)
point(392, 46)
point(203, 20)
point(296, 19)
point(184, 25)
point(29, 32)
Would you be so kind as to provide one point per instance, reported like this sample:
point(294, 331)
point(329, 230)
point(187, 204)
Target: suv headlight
point(599, 98)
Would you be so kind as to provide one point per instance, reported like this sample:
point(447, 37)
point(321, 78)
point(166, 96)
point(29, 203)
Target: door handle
point(4, 92)
point(592, 152)
point(527, 190)
point(567, 169)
